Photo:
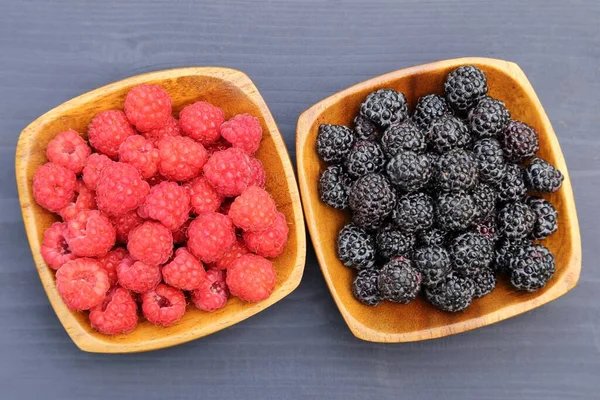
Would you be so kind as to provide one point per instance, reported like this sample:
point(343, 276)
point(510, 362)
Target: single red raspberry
point(201, 122)
point(254, 210)
point(147, 107)
point(108, 130)
point(120, 189)
point(258, 173)
point(170, 128)
point(210, 235)
point(243, 131)
point(94, 167)
point(251, 278)
point(180, 234)
point(203, 197)
point(150, 243)
point(116, 315)
point(82, 283)
point(138, 276)
point(124, 223)
point(55, 249)
point(184, 272)
point(219, 145)
point(164, 305)
point(140, 153)
point(69, 150)
point(168, 203)
point(90, 234)
point(229, 172)
point(84, 199)
point(270, 242)
point(54, 186)
point(181, 158)
point(212, 293)
point(110, 261)
point(236, 251)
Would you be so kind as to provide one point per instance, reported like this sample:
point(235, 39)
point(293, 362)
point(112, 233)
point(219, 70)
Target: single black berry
point(512, 186)
point(385, 107)
point(447, 133)
point(409, 171)
point(470, 252)
point(414, 212)
point(515, 220)
point(372, 199)
point(484, 197)
point(334, 142)
point(455, 211)
point(541, 176)
point(366, 129)
point(488, 118)
point(490, 160)
point(485, 282)
point(546, 218)
point(399, 281)
point(403, 136)
point(454, 293)
point(464, 87)
point(429, 108)
point(334, 186)
point(531, 267)
point(365, 158)
point(433, 262)
point(392, 242)
point(355, 247)
point(456, 170)
point(519, 142)
point(364, 287)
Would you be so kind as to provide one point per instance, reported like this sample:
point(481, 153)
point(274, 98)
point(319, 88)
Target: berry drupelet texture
point(488, 118)
point(355, 247)
point(392, 242)
point(456, 170)
point(403, 136)
point(365, 158)
point(454, 293)
point(464, 87)
point(515, 220)
point(519, 142)
point(334, 187)
point(399, 281)
point(334, 143)
point(470, 252)
point(409, 171)
point(531, 267)
point(546, 218)
point(447, 133)
point(428, 109)
point(414, 212)
point(455, 211)
point(541, 176)
point(366, 129)
point(433, 262)
point(372, 200)
point(364, 287)
point(512, 186)
point(490, 160)
point(385, 107)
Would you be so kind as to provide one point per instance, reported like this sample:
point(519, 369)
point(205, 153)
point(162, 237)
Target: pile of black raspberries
point(439, 199)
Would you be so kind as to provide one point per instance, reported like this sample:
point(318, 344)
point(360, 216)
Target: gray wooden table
point(297, 53)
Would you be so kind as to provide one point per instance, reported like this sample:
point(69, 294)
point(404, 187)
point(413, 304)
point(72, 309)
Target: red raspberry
point(185, 272)
point(90, 234)
point(181, 158)
point(116, 315)
point(147, 107)
point(243, 131)
point(93, 169)
point(170, 128)
point(213, 292)
point(219, 145)
point(69, 150)
point(55, 249)
point(82, 283)
point(150, 243)
point(258, 173)
point(254, 210)
point(138, 276)
point(53, 186)
point(201, 122)
point(251, 278)
point(229, 172)
point(110, 261)
point(203, 196)
point(236, 251)
point(168, 203)
point(210, 235)
point(270, 242)
point(125, 223)
point(164, 305)
point(108, 130)
point(84, 199)
point(140, 153)
point(180, 234)
point(120, 189)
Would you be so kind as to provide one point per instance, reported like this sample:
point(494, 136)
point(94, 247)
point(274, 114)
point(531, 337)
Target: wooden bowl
point(235, 93)
point(418, 320)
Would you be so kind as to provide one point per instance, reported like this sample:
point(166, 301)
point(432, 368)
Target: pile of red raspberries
point(156, 210)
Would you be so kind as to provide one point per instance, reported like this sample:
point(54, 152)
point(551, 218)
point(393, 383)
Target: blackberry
point(372, 199)
point(455, 211)
point(485, 282)
point(542, 176)
point(364, 287)
point(385, 107)
point(487, 227)
point(447, 133)
point(399, 281)
point(403, 136)
point(429, 108)
point(409, 171)
point(365, 129)
point(365, 158)
point(490, 159)
point(519, 142)
point(484, 198)
point(414, 212)
point(531, 267)
point(432, 237)
point(503, 252)
point(546, 218)
point(515, 220)
point(392, 242)
point(454, 293)
point(464, 87)
point(488, 118)
point(334, 142)
point(470, 252)
point(456, 170)
point(512, 186)
point(355, 247)
point(433, 262)
point(334, 185)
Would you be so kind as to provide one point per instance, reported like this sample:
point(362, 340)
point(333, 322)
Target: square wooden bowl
point(418, 320)
point(235, 93)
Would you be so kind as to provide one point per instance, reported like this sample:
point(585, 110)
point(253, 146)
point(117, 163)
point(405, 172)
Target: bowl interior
point(228, 89)
point(418, 320)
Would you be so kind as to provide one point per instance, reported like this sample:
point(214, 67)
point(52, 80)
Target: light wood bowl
point(235, 93)
point(418, 320)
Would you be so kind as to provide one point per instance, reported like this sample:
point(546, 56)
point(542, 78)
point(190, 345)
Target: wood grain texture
point(389, 322)
point(234, 93)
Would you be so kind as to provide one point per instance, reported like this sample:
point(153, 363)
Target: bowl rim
point(572, 267)
point(80, 336)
